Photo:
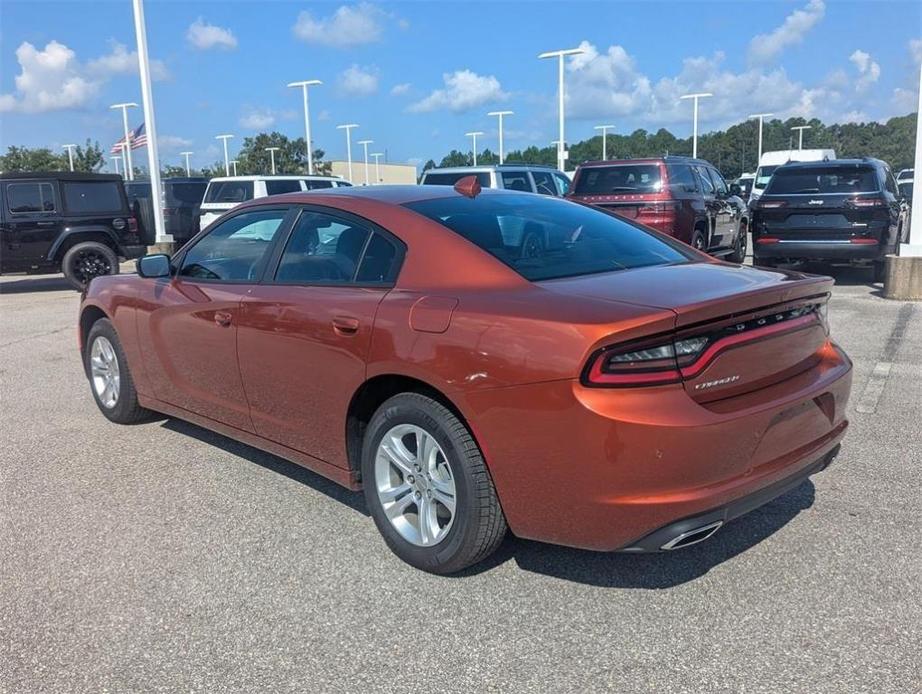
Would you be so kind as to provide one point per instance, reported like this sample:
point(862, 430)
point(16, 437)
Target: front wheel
point(87, 260)
point(110, 380)
point(699, 241)
point(427, 486)
point(739, 246)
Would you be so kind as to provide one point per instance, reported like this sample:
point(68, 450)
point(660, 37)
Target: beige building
point(399, 174)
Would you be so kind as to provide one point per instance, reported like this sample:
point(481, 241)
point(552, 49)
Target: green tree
point(173, 171)
point(290, 158)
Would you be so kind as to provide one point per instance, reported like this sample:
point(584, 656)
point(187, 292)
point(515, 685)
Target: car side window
point(681, 178)
point(283, 186)
point(322, 249)
point(30, 198)
point(704, 181)
point(516, 180)
point(563, 184)
point(544, 183)
point(380, 263)
point(890, 184)
point(719, 183)
point(235, 250)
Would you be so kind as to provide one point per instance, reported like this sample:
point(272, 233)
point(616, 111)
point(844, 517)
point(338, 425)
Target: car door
point(187, 324)
point(33, 221)
point(304, 335)
point(728, 216)
point(711, 204)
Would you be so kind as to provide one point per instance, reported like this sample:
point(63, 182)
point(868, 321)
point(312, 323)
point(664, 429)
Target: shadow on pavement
point(353, 500)
point(44, 283)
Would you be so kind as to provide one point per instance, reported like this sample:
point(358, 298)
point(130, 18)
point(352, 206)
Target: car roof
point(281, 177)
point(833, 163)
point(669, 158)
point(488, 167)
point(392, 195)
point(62, 175)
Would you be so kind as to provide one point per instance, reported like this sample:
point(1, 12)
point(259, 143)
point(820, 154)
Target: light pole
point(272, 151)
point(761, 117)
point(233, 163)
point(800, 134)
point(500, 115)
point(304, 84)
point(126, 150)
point(348, 128)
point(377, 156)
point(561, 153)
point(225, 138)
point(474, 135)
point(123, 156)
point(365, 144)
point(116, 160)
point(188, 168)
point(699, 95)
point(914, 242)
point(70, 154)
point(604, 129)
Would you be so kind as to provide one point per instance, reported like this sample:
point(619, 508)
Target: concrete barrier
point(903, 278)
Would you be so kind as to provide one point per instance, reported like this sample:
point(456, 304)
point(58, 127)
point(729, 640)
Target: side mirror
point(736, 190)
point(156, 265)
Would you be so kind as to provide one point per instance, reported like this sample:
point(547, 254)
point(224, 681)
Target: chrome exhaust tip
point(693, 537)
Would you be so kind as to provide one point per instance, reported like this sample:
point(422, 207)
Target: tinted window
point(544, 183)
point(563, 183)
point(719, 183)
point(23, 198)
point(449, 179)
point(229, 191)
point(823, 180)
point(704, 181)
point(565, 239)
point(906, 189)
point(137, 190)
point(236, 249)
point(380, 261)
point(763, 176)
point(623, 178)
point(102, 196)
point(189, 193)
point(321, 249)
point(516, 180)
point(316, 185)
point(681, 178)
point(279, 187)
point(890, 183)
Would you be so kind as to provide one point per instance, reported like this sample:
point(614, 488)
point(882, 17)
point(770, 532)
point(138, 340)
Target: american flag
point(138, 139)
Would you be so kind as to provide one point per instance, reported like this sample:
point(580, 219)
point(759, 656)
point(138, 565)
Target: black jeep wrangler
point(76, 223)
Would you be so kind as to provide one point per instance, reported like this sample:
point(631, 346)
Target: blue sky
point(416, 76)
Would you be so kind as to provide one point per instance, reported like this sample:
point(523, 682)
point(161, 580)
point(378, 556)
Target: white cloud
point(122, 62)
point(607, 84)
point(765, 47)
point(258, 119)
point(350, 25)
point(204, 36)
point(463, 91)
point(400, 89)
point(358, 81)
point(915, 50)
point(324, 115)
point(906, 99)
point(172, 142)
point(49, 80)
point(868, 70)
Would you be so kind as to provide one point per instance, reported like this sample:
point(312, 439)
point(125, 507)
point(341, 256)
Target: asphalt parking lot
point(162, 557)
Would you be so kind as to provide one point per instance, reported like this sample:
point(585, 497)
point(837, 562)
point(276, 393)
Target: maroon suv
point(680, 196)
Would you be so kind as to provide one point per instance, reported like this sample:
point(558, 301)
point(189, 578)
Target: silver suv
point(529, 178)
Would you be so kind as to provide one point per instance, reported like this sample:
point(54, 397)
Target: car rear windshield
point(829, 180)
point(229, 191)
point(545, 238)
point(622, 178)
point(88, 197)
point(449, 179)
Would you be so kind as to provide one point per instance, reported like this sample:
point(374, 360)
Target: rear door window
point(229, 191)
point(30, 198)
point(318, 185)
point(826, 180)
point(322, 249)
point(83, 197)
point(719, 183)
point(380, 262)
point(544, 183)
point(623, 178)
point(704, 181)
point(279, 187)
point(681, 178)
point(516, 180)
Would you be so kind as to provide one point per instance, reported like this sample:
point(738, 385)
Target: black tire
point(478, 525)
point(126, 409)
point(699, 241)
point(739, 245)
point(532, 246)
point(87, 260)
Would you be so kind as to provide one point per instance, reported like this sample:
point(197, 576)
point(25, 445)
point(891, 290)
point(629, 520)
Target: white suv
point(226, 192)
point(529, 178)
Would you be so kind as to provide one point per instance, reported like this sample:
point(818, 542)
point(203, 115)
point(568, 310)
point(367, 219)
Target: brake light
point(764, 204)
point(132, 225)
point(768, 239)
point(864, 242)
point(167, 211)
point(864, 203)
point(658, 208)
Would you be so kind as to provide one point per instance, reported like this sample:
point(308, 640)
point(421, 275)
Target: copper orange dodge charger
point(482, 361)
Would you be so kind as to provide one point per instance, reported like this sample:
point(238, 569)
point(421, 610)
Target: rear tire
point(699, 241)
point(467, 524)
point(110, 380)
point(84, 261)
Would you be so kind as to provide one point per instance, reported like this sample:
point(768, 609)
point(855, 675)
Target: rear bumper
point(844, 251)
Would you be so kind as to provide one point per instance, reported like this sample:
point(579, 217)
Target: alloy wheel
point(105, 372)
point(415, 485)
point(89, 263)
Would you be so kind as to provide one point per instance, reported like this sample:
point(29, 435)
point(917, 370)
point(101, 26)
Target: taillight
point(767, 239)
point(132, 225)
point(644, 364)
point(864, 203)
point(657, 208)
point(864, 241)
point(764, 204)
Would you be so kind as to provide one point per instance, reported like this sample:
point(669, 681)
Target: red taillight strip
point(864, 242)
point(597, 376)
point(767, 239)
point(725, 343)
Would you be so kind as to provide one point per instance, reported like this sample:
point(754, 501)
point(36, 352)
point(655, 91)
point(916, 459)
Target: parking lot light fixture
point(377, 156)
point(605, 129)
point(116, 160)
point(365, 144)
point(126, 148)
point(699, 95)
point(800, 134)
point(348, 128)
point(234, 166)
point(500, 114)
point(188, 168)
point(304, 84)
point(225, 138)
point(761, 117)
point(70, 154)
point(561, 152)
point(474, 135)
point(272, 151)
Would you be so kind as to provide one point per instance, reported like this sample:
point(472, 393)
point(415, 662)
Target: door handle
point(222, 318)
point(46, 224)
point(345, 326)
